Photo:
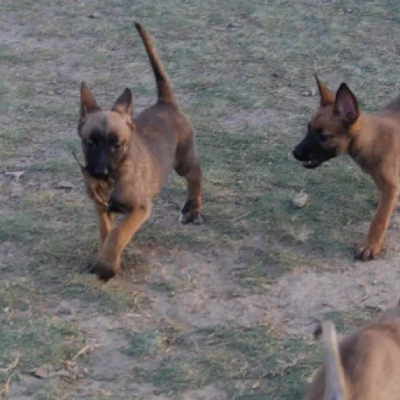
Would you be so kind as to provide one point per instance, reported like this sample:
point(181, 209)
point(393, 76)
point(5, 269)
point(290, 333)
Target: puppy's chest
point(129, 194)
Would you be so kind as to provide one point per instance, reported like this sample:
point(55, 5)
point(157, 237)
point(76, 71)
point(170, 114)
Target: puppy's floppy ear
point(327, 96)
point(346, 104)
point(88, 102)
point(123, 104)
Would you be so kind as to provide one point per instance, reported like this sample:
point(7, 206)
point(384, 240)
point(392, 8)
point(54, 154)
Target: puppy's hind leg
point(189, 168)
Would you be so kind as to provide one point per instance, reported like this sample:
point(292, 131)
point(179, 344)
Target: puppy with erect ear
point(364, 365)
point(128, 160)
point(340, 127)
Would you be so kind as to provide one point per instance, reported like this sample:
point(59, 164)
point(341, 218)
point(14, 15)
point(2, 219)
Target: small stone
point(300, 199)
point(50, 92)
point(94, 15)
point(349, 10)
point(64, 185)
point(309, 92)
point(233, 24)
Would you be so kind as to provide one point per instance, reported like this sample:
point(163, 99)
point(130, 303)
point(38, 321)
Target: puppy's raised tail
point(164, 87)
point(335, 385)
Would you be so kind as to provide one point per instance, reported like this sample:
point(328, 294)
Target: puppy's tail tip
point(164, 87)
point(138, 26)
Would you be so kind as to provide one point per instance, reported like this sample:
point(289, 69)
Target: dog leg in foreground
point(334, 374)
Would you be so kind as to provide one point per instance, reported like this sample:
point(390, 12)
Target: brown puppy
point(128, 160)
point(373, 141)
point(365, 365)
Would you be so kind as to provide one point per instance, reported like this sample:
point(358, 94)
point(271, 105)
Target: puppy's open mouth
point(311, 163)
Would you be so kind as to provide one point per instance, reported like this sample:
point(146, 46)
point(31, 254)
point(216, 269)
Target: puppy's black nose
point(101, 172)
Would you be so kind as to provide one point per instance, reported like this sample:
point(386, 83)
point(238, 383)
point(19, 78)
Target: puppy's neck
point(364, 133)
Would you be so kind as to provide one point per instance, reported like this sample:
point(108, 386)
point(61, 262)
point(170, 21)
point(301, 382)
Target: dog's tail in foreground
point(163, 82)
point(335, 385)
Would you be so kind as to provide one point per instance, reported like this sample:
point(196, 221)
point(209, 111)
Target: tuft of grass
point(37, 340)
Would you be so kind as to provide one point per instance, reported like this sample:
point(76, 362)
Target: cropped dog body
point(128, 161)
point(373, 141)
point(365, 365)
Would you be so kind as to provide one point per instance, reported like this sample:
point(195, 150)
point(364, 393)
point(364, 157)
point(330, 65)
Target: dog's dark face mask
point(103, 153)
point(331, 128)
point(105, 135)
point(316, 148)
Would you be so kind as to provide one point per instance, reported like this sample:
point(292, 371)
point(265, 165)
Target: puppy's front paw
point(365, 251)
point(104, 271)
point(190, 214)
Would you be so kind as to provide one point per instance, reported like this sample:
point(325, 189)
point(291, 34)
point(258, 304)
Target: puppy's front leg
point(106, 221)
point(372, 245)
point(108, 260)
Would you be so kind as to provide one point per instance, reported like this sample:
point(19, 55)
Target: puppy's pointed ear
point(326, 95)
point(123, 104)
point(88, 102)
point(346, 104)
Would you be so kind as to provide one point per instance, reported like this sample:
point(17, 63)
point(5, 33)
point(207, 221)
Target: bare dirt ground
point(223, 310)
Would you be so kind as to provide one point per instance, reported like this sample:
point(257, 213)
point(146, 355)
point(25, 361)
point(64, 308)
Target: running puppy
point(127, 161)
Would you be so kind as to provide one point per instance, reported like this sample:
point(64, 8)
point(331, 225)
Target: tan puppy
point(373, 141)
point(365, 365)
point(127, 161)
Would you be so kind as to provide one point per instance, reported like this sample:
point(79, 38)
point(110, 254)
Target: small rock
point(300, 199)
point(14, 174)
point(349, 10)
point(309, 92)
point(64, 185)
point(94, 15)
point(233, 25)
point(50, 92)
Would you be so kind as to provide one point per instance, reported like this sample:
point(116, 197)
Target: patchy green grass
point(240, 70)
point(248, 363)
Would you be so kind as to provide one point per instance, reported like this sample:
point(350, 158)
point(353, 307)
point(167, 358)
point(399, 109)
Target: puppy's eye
point(90, 143)
point(322, 135)
point(115, 144)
